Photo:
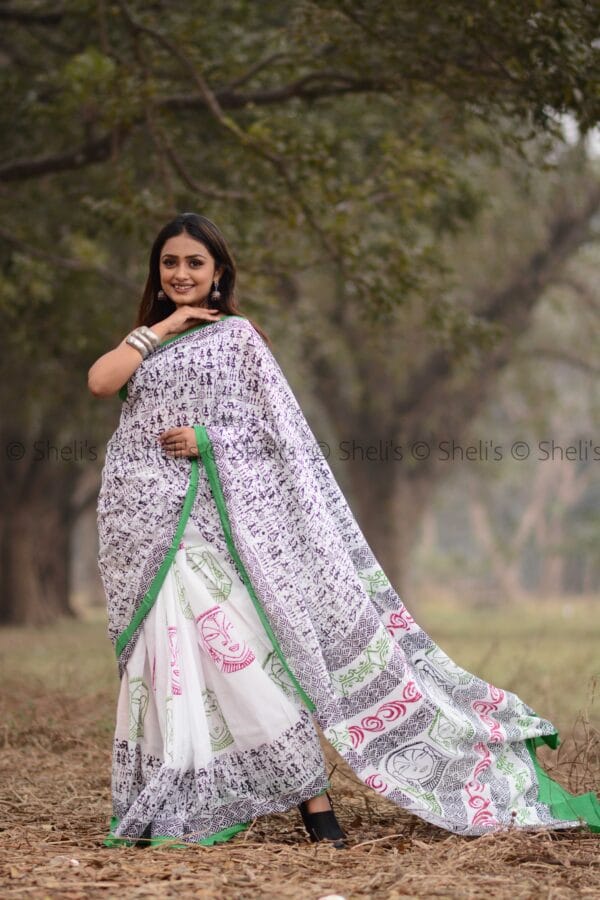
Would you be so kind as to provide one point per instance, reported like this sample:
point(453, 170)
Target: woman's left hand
point(179, 441)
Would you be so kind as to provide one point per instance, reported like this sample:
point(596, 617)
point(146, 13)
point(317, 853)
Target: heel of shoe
point(323, 826)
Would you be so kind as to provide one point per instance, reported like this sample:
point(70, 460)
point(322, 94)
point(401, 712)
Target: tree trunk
point(34, 541)
point(503, 563)
point(437, 399)
point(388, 507)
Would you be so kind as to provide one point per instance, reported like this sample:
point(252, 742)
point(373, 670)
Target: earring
point(161, 295)
point(216, 294)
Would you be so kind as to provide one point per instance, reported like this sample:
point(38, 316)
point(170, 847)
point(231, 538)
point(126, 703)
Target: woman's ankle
point(319, 803)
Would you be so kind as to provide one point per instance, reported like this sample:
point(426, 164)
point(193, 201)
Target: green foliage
point(332, 136)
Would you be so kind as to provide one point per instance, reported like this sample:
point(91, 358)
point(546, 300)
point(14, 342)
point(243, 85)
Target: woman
point(245, 604)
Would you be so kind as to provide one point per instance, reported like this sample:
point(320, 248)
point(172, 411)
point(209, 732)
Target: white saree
point(202, 692)
point(275, 608)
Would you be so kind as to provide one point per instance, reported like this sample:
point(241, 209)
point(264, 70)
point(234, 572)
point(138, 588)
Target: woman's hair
point(153, 308)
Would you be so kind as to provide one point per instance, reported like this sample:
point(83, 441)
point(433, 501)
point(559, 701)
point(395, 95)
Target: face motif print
point(217, 637)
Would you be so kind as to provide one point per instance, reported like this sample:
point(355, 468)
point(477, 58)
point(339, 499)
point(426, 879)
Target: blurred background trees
point(410, 226)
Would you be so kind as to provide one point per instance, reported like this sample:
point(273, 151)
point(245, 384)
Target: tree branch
point(255, 69)
point(73, 265)
point(591, 300)
point(213, 193)
point(431, 395)
point(302, 88)
point(93, 151)
point(558, 355)
point(25, 17)
point(226, 122)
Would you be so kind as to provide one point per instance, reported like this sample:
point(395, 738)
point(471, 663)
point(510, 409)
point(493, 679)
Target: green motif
point(503, 765)
point(138, 705)
point(374, 581)
point(446, 732)
point(524, 816)
point(521, 781)
point(186, 609)
point(373, 659)
point(426, 797)
point(207, 564)
point(526, 721)
point(218, 730)
point(278, 674)
point(519, 776)
point(339, 739)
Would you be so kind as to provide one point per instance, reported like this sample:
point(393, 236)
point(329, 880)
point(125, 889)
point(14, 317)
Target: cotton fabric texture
point(311, 608)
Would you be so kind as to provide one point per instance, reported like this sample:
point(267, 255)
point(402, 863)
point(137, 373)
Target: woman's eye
point(194, 263)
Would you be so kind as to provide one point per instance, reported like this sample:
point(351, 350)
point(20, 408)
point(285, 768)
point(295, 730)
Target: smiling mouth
point(182, 289)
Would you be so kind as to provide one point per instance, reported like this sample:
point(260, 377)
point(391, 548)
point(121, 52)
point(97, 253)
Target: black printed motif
point(415, 727)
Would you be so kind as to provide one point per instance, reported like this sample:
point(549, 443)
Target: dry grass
point(59, 694)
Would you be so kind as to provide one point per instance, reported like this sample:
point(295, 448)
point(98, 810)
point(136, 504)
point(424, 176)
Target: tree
point(286, 123)
point(530, 523)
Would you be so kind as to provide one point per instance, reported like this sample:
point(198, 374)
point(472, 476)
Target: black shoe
point(144, 838)
point(323, 825)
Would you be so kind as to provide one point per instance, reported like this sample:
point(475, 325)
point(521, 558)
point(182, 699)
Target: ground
point(58, 701)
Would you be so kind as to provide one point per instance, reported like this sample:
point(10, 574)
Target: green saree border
point(219, 837)
point(152, 592)
point(205, 449)
point(113, 840)
point(563, 805)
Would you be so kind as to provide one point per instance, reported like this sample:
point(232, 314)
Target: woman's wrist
point(161, 329)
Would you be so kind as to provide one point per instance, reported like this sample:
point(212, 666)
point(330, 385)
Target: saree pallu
point(417, 728)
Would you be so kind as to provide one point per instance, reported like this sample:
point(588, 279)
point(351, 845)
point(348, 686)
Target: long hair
point(153, 308)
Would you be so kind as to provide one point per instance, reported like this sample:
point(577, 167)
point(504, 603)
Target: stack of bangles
point(143, 339)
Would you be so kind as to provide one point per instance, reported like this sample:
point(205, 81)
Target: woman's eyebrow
point(191, 256)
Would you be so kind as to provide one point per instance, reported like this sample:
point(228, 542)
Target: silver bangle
point(151, 335)
point(135, 341)
point(144, 340)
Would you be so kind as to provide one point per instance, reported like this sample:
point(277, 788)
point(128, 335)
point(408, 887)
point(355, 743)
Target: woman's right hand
point(114, 368)
point(185, 317)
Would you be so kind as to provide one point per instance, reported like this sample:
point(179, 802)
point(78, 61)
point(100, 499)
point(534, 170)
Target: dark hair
point(154, 309)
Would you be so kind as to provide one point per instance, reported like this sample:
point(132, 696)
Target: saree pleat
point(210, 732)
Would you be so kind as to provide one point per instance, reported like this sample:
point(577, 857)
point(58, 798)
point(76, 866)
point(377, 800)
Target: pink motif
point(400, 620)
point(377, 783)
point(217, 636)
point(497, 693)
point(174, 648)
point(476, 790)
point(484, 763)
point(387, 711)
point(154, 672)
point(181, 546)
point(485, 709)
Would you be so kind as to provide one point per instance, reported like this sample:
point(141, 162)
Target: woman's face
point(187, 270)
